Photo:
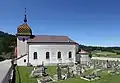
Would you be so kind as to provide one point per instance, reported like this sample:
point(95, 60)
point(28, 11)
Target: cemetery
point(96, 71)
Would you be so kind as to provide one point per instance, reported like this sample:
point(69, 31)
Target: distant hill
point(6, 41)
point(93, 48)
point(3, 34)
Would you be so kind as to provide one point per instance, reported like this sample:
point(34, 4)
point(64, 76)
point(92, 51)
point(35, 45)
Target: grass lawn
point(88, 72)
point(104, 79)
point(24, 73)
point(51, 70)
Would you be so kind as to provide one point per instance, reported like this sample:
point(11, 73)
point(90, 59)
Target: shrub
point(118, 53)
point(90, 55)
point(2, 58)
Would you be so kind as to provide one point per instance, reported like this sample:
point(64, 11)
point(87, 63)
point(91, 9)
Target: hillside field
point(105, 54)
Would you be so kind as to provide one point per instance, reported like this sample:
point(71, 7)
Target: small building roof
point(82, 52)
point(51, 39)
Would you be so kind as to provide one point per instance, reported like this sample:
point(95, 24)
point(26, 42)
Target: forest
point(7, 42)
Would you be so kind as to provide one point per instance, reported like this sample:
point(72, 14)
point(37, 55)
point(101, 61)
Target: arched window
point(70, 54)
point(35, 55)
point(24, 60)
point(47, 55)
point(23, 39)
point(59, 55)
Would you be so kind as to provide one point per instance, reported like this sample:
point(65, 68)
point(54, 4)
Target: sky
point(88, 22)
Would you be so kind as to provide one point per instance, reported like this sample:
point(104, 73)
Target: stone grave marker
point(38, 71)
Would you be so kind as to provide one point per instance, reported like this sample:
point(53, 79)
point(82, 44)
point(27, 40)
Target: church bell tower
point(24, 33)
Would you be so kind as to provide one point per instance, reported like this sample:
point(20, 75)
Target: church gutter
point(58, 43)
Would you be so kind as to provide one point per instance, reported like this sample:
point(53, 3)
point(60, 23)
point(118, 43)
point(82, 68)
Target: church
point(43, 49)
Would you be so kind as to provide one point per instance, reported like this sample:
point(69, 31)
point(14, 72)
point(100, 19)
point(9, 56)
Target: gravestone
point(46, 79)
point(38, 71)
point(59, 72)
point(65, 71)
point(68, 72)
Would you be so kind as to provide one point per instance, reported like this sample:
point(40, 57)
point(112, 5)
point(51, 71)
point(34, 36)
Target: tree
point(2, 58)
point(90, 55)
point(5, 43)
point(118, 53)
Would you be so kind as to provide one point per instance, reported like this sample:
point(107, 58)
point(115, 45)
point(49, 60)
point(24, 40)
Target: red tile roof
point(48, 38)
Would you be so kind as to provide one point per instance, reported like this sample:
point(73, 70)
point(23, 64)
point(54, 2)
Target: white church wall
point(20, 62)
point(85, 59)
point(53, 50)
point(22, 47)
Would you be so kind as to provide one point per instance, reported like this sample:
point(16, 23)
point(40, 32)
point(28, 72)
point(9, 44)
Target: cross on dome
point(25, 19)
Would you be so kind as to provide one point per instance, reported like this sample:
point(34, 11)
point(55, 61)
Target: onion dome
point(24, 29)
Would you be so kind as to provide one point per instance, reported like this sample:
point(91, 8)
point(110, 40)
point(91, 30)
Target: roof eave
point(55, 42)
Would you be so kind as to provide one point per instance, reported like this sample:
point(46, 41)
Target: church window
point(24, 60)
point(70, 54)
point(47, 55)
point(23, 39)
point(35, 55)
point(59, 55)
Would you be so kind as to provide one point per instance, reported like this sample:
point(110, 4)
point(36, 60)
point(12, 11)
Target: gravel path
point(4, 67)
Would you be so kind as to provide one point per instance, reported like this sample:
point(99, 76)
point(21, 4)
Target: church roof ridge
point(51, 38)
point(53, 35)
